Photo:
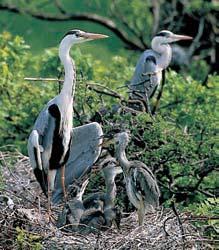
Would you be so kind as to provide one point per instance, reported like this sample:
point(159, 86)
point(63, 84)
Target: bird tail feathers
point(38, 147)
point(83, 187)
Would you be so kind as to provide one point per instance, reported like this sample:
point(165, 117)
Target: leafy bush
point(18, 98)
point(179, 146)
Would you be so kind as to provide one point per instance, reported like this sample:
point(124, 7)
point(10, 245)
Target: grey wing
point(85, 150)
point(146, 186)
point(35, 149)
point(146, 77)
point(39, 139)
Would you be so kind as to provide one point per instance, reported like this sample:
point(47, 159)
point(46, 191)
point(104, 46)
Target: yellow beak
point(93, 36)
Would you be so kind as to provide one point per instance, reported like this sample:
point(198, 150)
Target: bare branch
point(156, 14)
point(60, 7)
point(196, 41)
point(117, 14)
point(107, 23)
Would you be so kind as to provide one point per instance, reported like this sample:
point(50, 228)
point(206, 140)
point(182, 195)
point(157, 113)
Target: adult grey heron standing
point(141, 185)
point(151, 64)
point(50, 140)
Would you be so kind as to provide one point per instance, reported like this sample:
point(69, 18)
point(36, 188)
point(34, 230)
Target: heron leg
point(159, 94)
point(141, 213)
point(51, 181)
point(148, 105)
point(63, 182)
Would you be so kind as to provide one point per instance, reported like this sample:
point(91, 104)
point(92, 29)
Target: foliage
point(18, 98)
point(179, 146)
point(27, 240)
point(129, 25)
point(209, 211)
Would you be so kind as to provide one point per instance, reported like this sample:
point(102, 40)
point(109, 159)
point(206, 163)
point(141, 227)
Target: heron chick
point(100, 211)
point(73, 209)
point(110, 171)
point(141, 185)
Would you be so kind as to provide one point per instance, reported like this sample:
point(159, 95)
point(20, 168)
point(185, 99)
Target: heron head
point(166, 36)
point(111, 169)
point(79, 36)
point(122, 138)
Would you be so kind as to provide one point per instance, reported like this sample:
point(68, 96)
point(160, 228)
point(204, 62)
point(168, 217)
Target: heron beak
point(118, 170)
point(93, 36)
point(180, 37)
point(106, 143)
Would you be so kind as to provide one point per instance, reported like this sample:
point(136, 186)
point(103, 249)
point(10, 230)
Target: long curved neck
point(165, 52)
point(110, 196)
point(121, 156)
point(69, 67)
point(110, 192)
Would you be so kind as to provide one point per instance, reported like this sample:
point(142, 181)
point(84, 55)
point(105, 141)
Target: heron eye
point(77, 34)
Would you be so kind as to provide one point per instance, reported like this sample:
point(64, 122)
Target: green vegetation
point(179, 146)
point(26, 240)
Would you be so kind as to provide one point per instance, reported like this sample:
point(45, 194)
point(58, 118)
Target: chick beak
point(106, 143)
point(93, 36)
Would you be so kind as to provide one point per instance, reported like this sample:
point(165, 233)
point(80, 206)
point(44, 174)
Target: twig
point(195, 42)
point(89, 84)
point(180, 223)
point(164, 224)
point(156, 15)
point(43, 79)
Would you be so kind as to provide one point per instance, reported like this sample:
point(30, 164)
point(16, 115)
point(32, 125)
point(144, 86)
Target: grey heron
point(141, 185)
point(84, 151)
point(150, 66)
point(100, 211)
point(49, 143)
point(75, 208)
point(110, 171)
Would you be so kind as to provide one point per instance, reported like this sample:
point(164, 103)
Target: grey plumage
point(100, 211)
point(141, 184)
point(110, 171)
point(147, 76)
point(85, 150)
point(73, 210)
point(49, 143)
point(148, 71)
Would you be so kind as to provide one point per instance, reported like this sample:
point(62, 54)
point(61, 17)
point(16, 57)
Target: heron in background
point(150, 67)
point(49, 143)
point(141, 185)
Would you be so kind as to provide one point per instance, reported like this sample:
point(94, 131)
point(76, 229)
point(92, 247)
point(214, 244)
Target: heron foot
point(63, 183)
point(141, 214)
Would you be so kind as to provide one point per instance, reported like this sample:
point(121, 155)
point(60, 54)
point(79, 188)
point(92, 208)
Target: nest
point(24, 222)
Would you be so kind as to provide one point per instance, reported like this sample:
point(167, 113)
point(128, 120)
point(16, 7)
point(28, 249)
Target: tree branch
point(62, 16)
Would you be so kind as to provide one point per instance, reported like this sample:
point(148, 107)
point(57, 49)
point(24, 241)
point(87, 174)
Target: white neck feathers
point(69, 67)
point(164, 50)
point(121, 156)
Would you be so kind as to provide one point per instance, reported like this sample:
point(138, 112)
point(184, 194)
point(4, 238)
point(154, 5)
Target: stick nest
point(24, 223)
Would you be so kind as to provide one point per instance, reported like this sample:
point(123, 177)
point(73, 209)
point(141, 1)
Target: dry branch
point(29, 215)
point(66, 16)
